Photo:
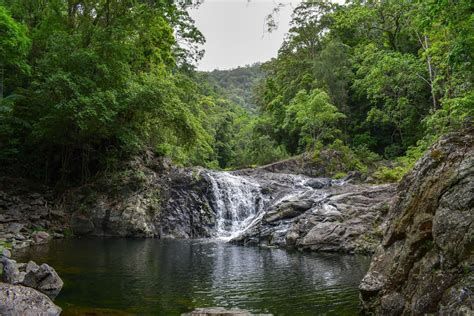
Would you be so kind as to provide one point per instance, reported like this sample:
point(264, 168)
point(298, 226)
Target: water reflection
point(172, 277)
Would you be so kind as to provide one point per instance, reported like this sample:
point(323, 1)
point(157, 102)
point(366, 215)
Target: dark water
point(153, 277)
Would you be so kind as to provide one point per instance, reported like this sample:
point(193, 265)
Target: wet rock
point(339, 218)
point(425, 262)
point(319, 183)
point(58, 236)
point(22, 244)
point(288, 209)
point(43, 278)
point(41, 237)
point(20, 300)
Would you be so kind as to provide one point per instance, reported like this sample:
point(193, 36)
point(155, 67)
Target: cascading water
point(237, 202)
point(241, 201)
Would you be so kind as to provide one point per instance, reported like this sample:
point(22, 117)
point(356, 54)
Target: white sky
point(235, 31)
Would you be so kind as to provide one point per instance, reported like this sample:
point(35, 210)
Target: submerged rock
point(20, 300)
point(425, 263)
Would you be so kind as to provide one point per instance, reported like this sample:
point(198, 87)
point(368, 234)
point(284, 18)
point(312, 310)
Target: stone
point(20, 237)
point(19, 300)
point(424, 264)
point(81, 224)
point(43, 278)
point(40, 237)
point(58, 236)
point(14, 228)
point(31, 266)
point(320, 183)
point(22, 244)
point(6, 253)
point(339, 218)
point(11, 274)
point(392, 304)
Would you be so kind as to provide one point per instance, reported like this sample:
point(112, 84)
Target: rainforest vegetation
point(86, 84)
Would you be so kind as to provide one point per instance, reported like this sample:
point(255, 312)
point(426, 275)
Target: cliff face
point(425, 263)
point(152, 199)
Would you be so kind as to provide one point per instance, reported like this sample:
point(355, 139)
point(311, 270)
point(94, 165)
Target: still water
point(170, 277)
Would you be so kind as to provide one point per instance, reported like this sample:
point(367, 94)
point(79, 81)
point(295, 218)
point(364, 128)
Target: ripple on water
point(172, 277)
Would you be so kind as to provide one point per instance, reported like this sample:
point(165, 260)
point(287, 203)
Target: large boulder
point(42, 278)
point(425, 263)
point(20, 300)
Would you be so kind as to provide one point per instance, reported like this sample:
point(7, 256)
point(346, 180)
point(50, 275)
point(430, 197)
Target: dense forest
point(86, 84)
point(237, 84)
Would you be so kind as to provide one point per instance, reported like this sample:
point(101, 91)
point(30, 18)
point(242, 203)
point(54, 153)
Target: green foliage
point(85, 85)
point(399, 71)
point(108, 80)
point(313, 117)
point(236, 84)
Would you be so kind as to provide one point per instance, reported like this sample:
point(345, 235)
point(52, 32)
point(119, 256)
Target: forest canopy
point(86, 84)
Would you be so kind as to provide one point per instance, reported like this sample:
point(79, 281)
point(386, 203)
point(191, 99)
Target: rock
point(425, 262)
point(6, 253)
point(319, 183)
point(288, 209)
point(9, 236)
point(41, 237)
point(20, 237)
point(339, 218)
point(58, 236)
point(220, 311)
point(11, 274)
point(31, 266)
point(14, 228)
point(43, 278)
point(22, 244)
point(81, 224)
point(19, 300)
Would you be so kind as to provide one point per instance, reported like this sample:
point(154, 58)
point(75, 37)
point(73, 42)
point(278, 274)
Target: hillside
point(237, 84)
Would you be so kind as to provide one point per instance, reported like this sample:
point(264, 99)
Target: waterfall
point(241, 201)
point(237, 202)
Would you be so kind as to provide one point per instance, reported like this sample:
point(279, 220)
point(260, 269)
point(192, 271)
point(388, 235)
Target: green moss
point(68, 233)
point(340, 175)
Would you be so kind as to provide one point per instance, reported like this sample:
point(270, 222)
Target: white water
point(237, 202)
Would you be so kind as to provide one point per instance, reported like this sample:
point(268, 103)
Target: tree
point(313, 115)
point(14, 46)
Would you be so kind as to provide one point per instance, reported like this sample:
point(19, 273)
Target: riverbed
point(118, 276)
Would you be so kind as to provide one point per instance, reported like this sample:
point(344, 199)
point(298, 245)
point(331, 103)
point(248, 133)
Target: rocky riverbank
point(421, 229)
point(425, 263)
point(27, 288)
point(28, 215)
point(151, 198)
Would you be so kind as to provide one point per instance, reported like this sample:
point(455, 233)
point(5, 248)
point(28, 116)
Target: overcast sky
point(235, 31)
